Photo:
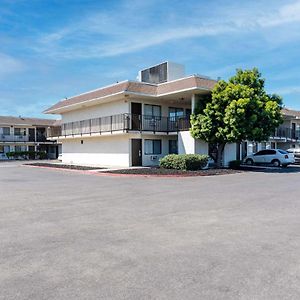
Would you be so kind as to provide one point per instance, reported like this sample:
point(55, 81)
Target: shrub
point(184, 161)
point(235, 164)
point(26, 154)
point(41, 155)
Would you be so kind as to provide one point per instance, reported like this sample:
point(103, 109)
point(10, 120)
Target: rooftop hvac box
point(163, 72)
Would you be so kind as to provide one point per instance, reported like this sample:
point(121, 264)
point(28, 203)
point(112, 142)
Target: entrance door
point(293, 130)
point(136, 112)
point(31, 133)
point(136, 152)
point(31, 150)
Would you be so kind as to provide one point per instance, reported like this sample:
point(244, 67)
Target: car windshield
point(282, 151)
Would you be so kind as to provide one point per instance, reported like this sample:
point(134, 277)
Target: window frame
point(22, 131)
point(152, 116)
point(176, 112)
point(170, 147)
point(153, 141)
point(3, 133)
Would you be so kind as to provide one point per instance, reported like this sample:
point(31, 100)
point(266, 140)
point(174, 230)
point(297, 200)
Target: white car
point(275, 157)
point(296, 152)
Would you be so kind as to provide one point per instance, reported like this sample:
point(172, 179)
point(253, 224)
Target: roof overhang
point(176, 88)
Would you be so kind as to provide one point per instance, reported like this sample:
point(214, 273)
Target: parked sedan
point(275, 157)
point(296, 152)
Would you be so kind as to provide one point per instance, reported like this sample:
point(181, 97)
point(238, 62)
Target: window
point(188, 112)
point(265, 152)
point(175, 112)
point(151, 111)
point(270, 152)
point(5, 130)
point(156, 74)
point(1, 149)
point(18, 148)
point(19, 131)
point(152, 147)
point(173, 147)
point(282, 151)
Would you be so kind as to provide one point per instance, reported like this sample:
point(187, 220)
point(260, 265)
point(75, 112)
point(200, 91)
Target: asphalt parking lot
point(68, 235)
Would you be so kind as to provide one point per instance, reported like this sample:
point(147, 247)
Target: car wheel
point(276, 163)
point(249, 162)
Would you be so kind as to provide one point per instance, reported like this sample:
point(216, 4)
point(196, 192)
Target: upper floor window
point(176, 112)
point(19, 131)
point(5, 130)
point(152, 111)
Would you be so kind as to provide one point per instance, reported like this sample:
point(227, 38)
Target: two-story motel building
point(135, 123)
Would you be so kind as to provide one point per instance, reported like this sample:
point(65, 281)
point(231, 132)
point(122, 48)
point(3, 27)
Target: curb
point(92, 172)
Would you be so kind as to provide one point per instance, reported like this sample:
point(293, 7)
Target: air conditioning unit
point(153, 157)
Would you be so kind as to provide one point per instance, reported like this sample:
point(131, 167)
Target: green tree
point(237, 110)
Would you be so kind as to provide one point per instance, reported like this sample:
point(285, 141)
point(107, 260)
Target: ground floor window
point(152, 147)
point(1, 149)
point(173, 147)
point(20, 148)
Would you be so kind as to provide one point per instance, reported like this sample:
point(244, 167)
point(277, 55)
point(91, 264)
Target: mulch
point(169, 172)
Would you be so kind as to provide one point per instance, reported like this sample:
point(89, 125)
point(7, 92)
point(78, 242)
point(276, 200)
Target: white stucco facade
point(101, 151)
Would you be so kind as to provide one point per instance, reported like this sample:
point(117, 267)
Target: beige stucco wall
point(102, 110)
point(117, 107)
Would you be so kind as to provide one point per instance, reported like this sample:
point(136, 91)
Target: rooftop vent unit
point(163, 72)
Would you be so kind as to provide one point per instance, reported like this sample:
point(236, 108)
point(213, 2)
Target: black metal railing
point(287, 132)
point(121, 122)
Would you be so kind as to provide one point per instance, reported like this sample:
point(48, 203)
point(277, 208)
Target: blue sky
point(50, 50)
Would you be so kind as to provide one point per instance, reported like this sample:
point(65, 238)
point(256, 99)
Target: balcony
point(123, 123)
point(14, 138)
point(286, 133)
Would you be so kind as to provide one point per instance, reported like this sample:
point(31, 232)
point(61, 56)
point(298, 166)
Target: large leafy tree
point(237, 110)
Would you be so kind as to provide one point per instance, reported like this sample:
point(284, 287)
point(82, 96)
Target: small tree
point(237, 110)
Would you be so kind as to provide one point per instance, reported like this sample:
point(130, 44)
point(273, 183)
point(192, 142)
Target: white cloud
point(9, 65)
point(130, 29)
point(290, 90)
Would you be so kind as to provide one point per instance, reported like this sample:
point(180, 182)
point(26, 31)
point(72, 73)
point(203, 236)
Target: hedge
point(27, 154)
point(184, 161)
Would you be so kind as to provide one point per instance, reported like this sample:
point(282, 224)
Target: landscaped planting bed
point(61, 166)
point(173, 172)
